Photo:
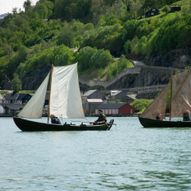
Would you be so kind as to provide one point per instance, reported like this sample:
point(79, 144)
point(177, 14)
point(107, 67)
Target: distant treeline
point(101, 35)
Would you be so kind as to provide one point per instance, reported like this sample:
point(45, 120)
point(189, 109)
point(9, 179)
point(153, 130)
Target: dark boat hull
point(27, 125)
point(147, 123)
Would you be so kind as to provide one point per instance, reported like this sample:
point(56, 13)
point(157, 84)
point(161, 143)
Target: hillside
point(102, 36)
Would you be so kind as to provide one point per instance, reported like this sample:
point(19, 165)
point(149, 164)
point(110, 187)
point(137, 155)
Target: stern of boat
point(110, 124)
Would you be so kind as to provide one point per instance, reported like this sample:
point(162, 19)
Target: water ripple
point(128, 157)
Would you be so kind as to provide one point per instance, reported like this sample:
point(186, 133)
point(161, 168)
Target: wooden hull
point(148, 123)
point(27, 125)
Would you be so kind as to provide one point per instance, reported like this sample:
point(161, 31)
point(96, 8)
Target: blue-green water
point(128, 157)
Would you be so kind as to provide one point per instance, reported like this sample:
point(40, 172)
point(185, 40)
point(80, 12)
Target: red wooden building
point(116, 109)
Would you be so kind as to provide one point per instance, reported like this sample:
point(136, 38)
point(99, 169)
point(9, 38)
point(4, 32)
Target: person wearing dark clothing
point(186, 116)
point(158, 116)
point(101, 118)
point(55, 120)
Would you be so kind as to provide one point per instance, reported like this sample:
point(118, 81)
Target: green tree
point(73, 9)
point(93, 58)
point(141, 104)
point(27, 5)
point(84, 57)
point(17, 85)
point(44, 9)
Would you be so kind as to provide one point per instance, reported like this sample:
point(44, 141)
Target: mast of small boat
point(170, 106)
point(51, 71)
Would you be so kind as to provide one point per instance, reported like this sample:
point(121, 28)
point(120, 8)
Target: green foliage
point(107, 37)
point(59, 55)
point(62, 56)
point(141, 104)
point(71, 33)
point(15, 60)
point(102, 32)
point(27, 5)
point(172, 34)
point(93, 58)
point(44, 9)
point(137, 35)
point(166, 9)
point(73, 9)
point(130, 28)
point(117, 67)
point(17, 85)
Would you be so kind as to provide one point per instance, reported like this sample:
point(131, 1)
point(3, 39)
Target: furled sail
point(181, 91)
point(33, 109)
point(158, 106)
point(65, 99)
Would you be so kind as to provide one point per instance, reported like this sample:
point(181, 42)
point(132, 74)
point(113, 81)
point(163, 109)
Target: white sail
point(65, 99)
point(33, 109)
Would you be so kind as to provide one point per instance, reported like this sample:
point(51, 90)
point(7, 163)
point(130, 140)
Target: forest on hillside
point(103, 36)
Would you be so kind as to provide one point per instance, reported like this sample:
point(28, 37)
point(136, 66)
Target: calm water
point(128, 157)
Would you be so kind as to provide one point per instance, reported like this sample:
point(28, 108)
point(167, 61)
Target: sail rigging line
point(51, 72)
point(181, 85)
point(186, 101)
point(170, 106)
point(158, 106)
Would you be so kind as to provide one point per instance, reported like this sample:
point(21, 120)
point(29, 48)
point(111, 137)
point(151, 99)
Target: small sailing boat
point(175, 97)
point(64, 102)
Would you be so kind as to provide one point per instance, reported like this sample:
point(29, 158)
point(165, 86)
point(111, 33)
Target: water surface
point(128, 157)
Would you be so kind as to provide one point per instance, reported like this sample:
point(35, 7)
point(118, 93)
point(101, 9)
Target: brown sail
point(158, 106)
point(180, 102)
point(181, 94)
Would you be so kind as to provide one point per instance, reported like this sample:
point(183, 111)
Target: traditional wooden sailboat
point(64, 102)
point(177, 98)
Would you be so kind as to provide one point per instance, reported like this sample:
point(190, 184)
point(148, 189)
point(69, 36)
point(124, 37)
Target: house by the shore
point(115, 109)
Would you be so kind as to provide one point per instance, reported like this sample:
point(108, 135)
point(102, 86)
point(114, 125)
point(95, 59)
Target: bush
point(117, 67)
point(141, 104)
point(106, 37)
point(172, 34)
point(58, 56)
point(93, 58)
point(17, 85)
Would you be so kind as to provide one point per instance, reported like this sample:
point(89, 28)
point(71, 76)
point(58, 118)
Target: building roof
point(132, 96)
point(89, 92)
point(24, 96)
point(14, 106)
point(115, 92)
point(17, 96)
point(94, 100)
point(11, 96)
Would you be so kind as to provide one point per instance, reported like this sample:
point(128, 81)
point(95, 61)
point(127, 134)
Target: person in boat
point(55, 120)
point(186, 116)
point(101, 118)
point(158, 116)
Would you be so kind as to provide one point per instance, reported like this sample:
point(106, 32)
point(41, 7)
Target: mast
point(51, 72)
point(170, 106)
